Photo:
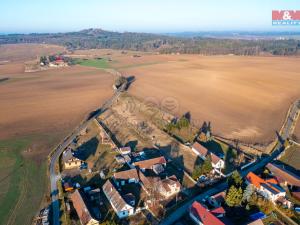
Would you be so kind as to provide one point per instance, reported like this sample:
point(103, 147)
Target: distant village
point(48, 62)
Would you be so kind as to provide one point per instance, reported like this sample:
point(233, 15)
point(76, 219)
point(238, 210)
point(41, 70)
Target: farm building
point(117, 201)
point(82, 210)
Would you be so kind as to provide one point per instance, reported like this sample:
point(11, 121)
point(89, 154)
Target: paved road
point(260, 163)
point(54, 176)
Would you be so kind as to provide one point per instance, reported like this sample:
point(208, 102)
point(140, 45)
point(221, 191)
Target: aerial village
point(125, 167)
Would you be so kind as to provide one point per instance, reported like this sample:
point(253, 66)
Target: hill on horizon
point(204, 43)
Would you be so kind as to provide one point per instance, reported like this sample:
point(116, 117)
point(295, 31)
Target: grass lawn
point(292, 157)
point(22, 182)
point(98, 63)
point(216, 146)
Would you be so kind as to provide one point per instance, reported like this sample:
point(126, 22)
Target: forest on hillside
point(97, 38)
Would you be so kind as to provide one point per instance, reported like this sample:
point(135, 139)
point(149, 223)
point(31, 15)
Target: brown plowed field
point(50, 100)
point(244, 97)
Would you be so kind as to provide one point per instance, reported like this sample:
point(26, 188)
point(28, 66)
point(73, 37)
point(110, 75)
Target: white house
point(268, 188)
point(272, 191)
point(119, 205)
point(216, 162)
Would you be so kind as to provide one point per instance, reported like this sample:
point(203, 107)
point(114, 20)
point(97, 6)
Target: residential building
point(284, 176)
point(150, 163)
point(268, 188)
point(202, 216)
point(118, 203)
point(200, 150)
point(125, 177)
point(169, 187)
point(217, 163)
point(82, 210)
point(70, 161)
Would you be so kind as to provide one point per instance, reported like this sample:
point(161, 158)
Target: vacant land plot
point(292, 157)
point(137, 124)
point(22, 52)
point(244, 97)
point(97, 155)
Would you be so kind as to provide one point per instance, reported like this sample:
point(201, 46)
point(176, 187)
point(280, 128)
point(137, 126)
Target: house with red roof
point(268, 188)
point(84, 213)
point(202, 216)
point(151, 164)
point(200, 150)
point(284, 176)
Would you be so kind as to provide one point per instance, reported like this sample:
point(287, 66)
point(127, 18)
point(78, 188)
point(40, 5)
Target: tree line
point(97, 38)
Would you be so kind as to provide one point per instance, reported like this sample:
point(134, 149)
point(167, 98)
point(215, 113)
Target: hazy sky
point(141, 15)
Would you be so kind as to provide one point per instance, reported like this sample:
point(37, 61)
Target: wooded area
point(97, 38)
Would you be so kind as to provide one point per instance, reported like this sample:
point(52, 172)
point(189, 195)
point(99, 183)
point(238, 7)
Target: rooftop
point(283, 175)
point(114, 196)
point(81, 207)
point(257, 181)
point(214, 158)
point(200, 149)
point(204, 215)
point(127, 174)
point(147, 164)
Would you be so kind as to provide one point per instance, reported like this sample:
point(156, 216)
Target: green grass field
point(22, 183)
point(98, 63)
point(292, 157)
